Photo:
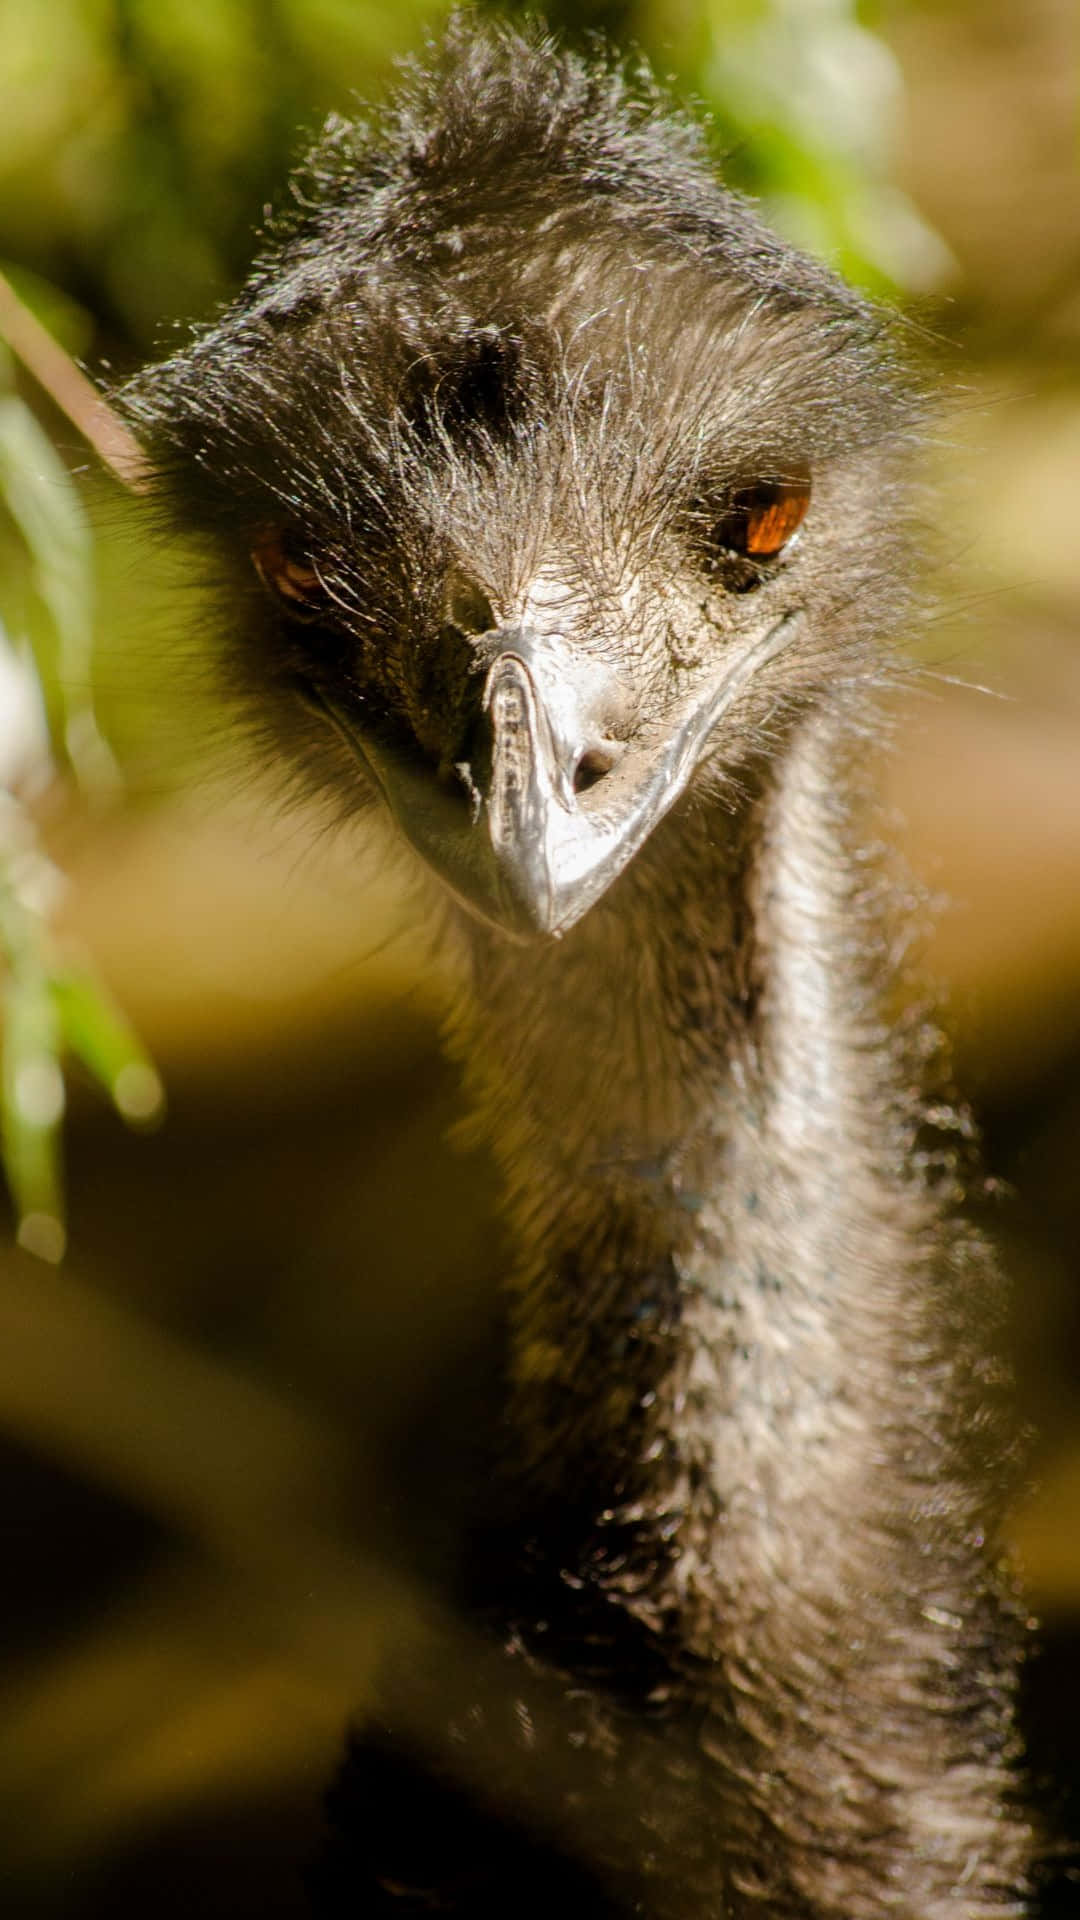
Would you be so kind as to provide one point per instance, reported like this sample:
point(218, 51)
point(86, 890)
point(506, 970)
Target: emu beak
point(564, 808)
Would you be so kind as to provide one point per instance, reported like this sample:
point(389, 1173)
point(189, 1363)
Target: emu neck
point(691, 1098)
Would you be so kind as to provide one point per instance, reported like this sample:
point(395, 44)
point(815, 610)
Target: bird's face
point(537, 574)
point(540, 733)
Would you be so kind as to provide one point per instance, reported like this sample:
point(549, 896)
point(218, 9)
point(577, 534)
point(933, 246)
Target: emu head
point(548, 485)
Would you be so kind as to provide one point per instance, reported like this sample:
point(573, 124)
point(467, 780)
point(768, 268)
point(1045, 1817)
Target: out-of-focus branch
point(66, 385)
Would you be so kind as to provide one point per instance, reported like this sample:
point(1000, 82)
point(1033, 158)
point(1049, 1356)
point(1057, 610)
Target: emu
point(560, 519)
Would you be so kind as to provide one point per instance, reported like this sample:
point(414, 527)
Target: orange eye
point(773, 513)
point(294, 579)
point(757, 523)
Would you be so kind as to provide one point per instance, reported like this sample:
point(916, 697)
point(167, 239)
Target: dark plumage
point(576, 509)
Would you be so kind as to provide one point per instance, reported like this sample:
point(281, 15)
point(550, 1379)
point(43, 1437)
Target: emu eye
point(289, 573)
point(774, 513)
point(761, 520)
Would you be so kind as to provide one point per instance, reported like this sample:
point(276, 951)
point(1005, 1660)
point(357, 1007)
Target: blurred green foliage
point(51, 1002)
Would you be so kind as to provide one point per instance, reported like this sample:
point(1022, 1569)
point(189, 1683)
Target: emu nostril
point(594, 763)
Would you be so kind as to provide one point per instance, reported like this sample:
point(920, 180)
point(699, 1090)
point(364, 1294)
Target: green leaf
point(93, 1027)
point(31, 1109)
point(40, 496)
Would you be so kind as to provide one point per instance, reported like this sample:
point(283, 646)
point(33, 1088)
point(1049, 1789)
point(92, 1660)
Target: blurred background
point(219, 1412)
